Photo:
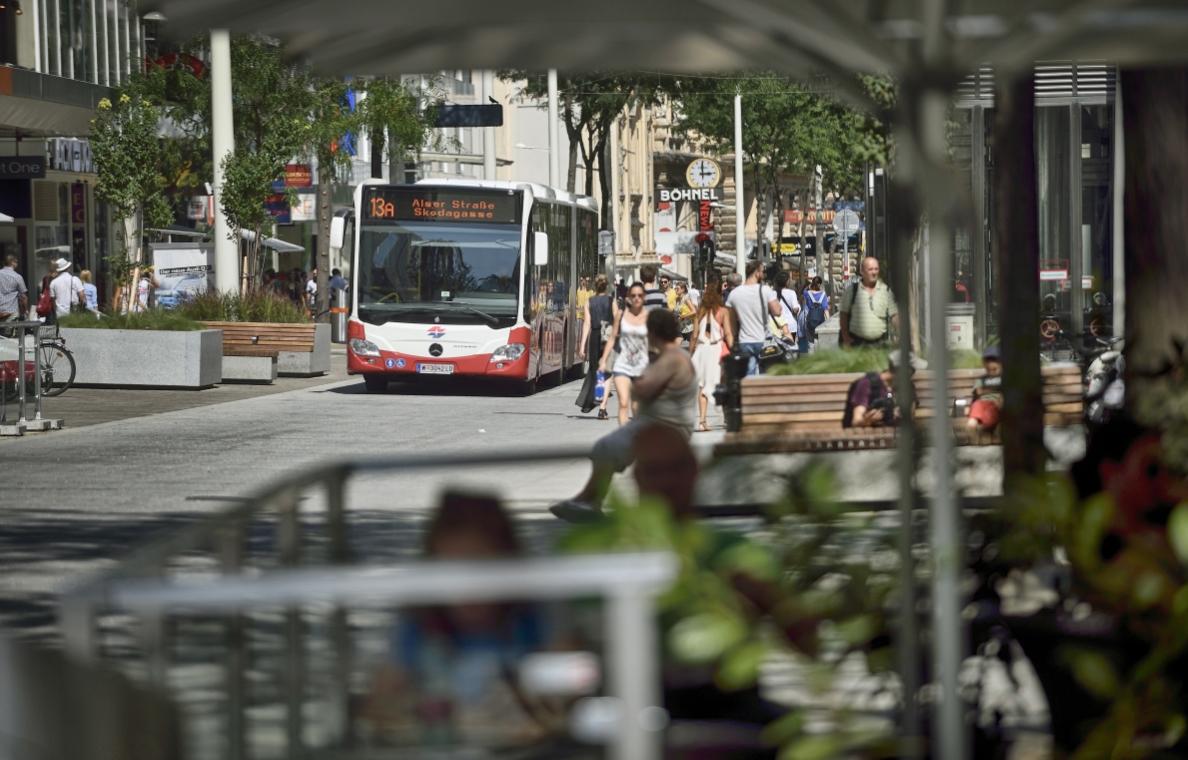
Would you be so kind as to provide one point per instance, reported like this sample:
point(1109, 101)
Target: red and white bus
point(467, 277)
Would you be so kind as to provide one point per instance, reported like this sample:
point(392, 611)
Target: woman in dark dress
point(601, 310)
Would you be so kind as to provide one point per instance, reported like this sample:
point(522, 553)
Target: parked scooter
point(1105, 388)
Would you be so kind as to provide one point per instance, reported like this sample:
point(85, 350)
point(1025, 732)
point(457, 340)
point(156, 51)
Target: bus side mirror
point(337, 232)
point(540, 245)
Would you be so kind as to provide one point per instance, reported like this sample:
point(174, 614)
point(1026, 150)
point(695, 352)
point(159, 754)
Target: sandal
point(602, 414)
point(703, 428)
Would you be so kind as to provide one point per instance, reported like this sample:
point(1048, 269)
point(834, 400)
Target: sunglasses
point(635, 295)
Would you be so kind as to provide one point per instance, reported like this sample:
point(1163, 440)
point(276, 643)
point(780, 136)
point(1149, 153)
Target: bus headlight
point(364, 347)
point(508, 353)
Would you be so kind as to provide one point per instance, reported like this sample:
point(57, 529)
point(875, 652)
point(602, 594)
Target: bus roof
point(538, 191)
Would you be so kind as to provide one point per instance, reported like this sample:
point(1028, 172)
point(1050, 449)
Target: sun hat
point(62, 265)
point(991, 352)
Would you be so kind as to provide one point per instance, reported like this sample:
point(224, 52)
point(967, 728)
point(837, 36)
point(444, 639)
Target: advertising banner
point(184, 270)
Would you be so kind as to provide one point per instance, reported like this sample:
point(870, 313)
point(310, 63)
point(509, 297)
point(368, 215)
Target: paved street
point(75, 499)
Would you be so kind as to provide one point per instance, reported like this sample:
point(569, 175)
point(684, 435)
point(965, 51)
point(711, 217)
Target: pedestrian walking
point(14, 295)
point(65, 289)
point(621, 291)
point(147, 282)
point(90, 292)
point(311, 290)
point(733, 280)
point(712, 341)
point(654, 298)
point(665, 391)
point(751, 305)
point(816, 302)
point(337, 282)
point(600, 314)
point(631, 331)
point(790, 310)
point(685, 309)
point(670, 293)
point(869, 315)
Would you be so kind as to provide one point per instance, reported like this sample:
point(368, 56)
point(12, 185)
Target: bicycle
point(57, 363)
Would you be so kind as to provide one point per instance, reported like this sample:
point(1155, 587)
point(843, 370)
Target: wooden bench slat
point(238, 351)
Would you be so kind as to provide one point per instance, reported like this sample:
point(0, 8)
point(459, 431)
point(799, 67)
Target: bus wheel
point(528, 387)
point(375, 383)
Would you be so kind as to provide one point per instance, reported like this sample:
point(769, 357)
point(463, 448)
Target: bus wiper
point(490, 318)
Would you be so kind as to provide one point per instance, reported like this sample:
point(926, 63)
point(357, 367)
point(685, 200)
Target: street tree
point(588, 106)
point(398, 117)
point(331, 123)
point(788, 127)
point(126, 151)
point(271, 100)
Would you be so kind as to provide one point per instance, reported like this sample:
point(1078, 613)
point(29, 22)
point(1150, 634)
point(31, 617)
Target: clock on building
point(703, 172)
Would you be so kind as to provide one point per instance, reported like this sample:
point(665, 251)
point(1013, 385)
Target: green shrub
point(153, 319)
point(866, 359)
point(257, 306)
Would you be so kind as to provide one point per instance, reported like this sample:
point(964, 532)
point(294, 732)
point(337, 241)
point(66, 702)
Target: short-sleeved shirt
point(671, 295)
point(750, 303)
point(654, 299)
point(870, 313)
point(991, 388)
point(64, 289)
point(11, 287)
point(92, 294)
point(583, 295)
point(863, 392)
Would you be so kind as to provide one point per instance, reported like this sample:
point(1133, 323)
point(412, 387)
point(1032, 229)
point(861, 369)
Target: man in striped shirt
point(654, 298)
point(869, 315)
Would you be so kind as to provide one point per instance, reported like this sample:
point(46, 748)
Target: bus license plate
point(436, 369)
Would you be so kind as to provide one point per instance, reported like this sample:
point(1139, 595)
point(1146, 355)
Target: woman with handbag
point(712, 340)
point(600, 314)
point(631, 332)
point(685, 310)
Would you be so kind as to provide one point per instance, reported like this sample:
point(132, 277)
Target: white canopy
point(6, 219)
point(277, 245)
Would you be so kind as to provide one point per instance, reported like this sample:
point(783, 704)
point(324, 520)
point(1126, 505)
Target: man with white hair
point(66, 289)
point(869, 315)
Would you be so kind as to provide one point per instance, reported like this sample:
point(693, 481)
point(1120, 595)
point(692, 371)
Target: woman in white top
point(631, 331)
point(712, 338)
point(789, 303)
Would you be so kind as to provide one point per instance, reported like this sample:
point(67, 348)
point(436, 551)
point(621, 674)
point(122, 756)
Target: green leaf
point(1096, 515)
point(784, 729)
point(750, 559)
point(704, 638)
point(820, 747)
point(857, 630)
point(1092, 671)
point(1177, 531)
point(1147, 590)
point(740, 668)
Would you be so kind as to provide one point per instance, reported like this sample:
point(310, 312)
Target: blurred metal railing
point(141, 586)
point(27, 345)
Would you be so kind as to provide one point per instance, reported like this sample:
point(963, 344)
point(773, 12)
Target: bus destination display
point(435, 204)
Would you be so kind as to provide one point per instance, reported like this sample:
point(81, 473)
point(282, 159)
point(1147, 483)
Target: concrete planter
point(146, 358)
point(307, 364)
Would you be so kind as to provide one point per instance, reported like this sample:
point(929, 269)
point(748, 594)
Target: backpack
point(45, 304)
point(872, 378)
point(816, 313)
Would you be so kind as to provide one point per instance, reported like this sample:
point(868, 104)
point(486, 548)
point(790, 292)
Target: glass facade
point(1075, 162)
point(96, 41)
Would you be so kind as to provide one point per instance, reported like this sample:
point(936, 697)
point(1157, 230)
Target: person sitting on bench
point(870, 401)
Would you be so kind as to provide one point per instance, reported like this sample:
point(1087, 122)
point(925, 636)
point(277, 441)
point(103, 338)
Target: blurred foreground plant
point(795, 590)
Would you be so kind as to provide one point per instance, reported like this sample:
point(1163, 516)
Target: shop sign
point(22, 167)
point(677, 194)
point(1053, 275)
point(304, 210)
point(795, 216)
point(704, 219)
point(78, 203)
point(296, 175)
point(201, 209)
point(70, 155)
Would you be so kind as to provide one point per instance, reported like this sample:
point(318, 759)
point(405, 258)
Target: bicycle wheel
point(57, 368)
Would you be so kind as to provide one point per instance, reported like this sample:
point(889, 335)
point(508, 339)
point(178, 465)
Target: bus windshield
point(457, 273)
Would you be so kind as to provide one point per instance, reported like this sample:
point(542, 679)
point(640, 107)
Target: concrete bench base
point(308, 363)
point(146, 358)
point(249, 369)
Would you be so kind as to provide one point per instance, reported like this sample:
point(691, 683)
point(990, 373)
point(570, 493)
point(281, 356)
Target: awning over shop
point(280, 246)
point(6, 219)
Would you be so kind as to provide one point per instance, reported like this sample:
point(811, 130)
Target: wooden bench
point(803, 412)
point(251, 350)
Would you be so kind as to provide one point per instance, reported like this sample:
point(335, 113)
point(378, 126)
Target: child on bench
point(987, 393)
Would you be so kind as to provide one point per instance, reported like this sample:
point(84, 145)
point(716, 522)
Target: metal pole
point(740, 210)
point(235, 662)
point(36, 377)
point(38, 23)
point(634, 675)
point(289, 542)
point(94, 46)
point(21, 371)
point(1076, 265)
point(223, 143)
point(977, 236)
point(58, 37)
point(1119, 231)
point(489, 132)
point(947, 550)
point(554, 139)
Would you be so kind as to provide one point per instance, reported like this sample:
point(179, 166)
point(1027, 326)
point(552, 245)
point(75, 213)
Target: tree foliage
point(395, 115)
point(126, 152)
point(589, 104)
